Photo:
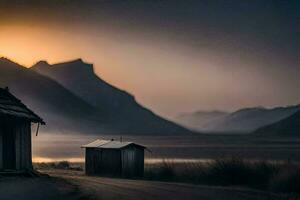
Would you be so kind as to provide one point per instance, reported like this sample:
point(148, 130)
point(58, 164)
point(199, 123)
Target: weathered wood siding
point(15, 144)
point(23, 145)
point(103, 162)
point(125, 162)
point(18, 144)
point(27, 160)
point(91, 161)
point(9, 151)
point(132, 162)
point(1, 147)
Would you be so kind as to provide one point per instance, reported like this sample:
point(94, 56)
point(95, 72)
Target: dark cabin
point(15, 133)
point(114, 158)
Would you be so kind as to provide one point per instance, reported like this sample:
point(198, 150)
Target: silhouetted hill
point(242, 121)
point(249, 119)
point(289, 126)
point(198, 120)
point(121, 109)
point(62, 110)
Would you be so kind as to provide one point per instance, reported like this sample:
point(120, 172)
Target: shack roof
point(109, 144)
point(11, 106)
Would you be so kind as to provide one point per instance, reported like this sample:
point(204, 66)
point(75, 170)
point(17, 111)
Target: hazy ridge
point(122, 113)
point(64, 109)
point(289, 126)
point(72, 98)
point(244, 120)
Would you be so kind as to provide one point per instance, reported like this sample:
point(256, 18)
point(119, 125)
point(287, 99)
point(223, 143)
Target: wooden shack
point(15, 133)
point(114, 158)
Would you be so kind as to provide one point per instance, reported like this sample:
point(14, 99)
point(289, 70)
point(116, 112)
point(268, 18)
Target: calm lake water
point(199, 148)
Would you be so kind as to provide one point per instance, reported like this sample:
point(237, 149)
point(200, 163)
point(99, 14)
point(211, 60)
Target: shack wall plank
point(126, 161)
point(18, 145)
point(23, 143)
point(1, 147)
point(15, 132)
point(28, 154)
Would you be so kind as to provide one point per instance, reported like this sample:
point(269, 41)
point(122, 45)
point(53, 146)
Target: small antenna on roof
point(6, 88)
point(112, 139)
point(121, 139)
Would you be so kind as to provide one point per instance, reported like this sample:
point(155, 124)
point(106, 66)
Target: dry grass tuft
point(275, 177)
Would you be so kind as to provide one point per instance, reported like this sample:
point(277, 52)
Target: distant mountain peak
point(289, 126)
point(8, 64)
point(43, 63)
point(122, 112)
point(213, 111)
point(75, 67)
point(4, 59)
point(257, 108)
point(69, 62)
point(78, 61)
point(244, 120)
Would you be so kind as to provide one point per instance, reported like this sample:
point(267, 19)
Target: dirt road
point(116, 189)
point(41, 188)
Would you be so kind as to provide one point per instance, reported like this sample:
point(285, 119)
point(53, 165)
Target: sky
point(174, 56)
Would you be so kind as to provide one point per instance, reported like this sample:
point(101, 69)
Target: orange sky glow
point(164, 76)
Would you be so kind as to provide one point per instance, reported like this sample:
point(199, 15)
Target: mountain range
point(242, 121)
point(289, 126)
point(71, 98)
point(198, 120)
point(59, 107)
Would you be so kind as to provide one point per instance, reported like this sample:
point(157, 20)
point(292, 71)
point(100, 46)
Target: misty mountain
point(242, 121)
point(199, 120)
point(289, 126)
point(62, 110)
point(249, 119)
point(120, 108)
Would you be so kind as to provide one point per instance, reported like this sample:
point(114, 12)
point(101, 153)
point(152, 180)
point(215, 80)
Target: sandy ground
point(44, 188)
point(116, 189)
